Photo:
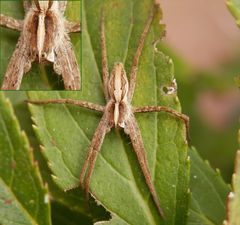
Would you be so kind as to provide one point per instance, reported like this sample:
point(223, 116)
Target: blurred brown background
point(201, 31)
point(204, 42)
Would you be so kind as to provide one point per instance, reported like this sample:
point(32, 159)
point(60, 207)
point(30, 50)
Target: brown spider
point(118, 112)
point(44, 38)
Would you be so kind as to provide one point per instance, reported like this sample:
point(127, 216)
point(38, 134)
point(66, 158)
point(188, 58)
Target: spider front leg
point(9, 22)
point(105, 73)
point(134, 68)
point(173, 112)
point(92, 154)
point(83, 104)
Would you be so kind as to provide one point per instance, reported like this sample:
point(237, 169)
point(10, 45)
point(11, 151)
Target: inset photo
point(40, 45)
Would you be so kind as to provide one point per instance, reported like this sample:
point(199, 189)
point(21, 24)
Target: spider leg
point(27, 5)
point(72, 27)
point(9, 22)
point(37, 4)
point(93, 151)
point(19, 64)
point(50, 3)
point(173, 112)
point(62, 6)
point(133, 131)
point(83, 104)
point(134, 68)
point(66, 65)
point(105, 73)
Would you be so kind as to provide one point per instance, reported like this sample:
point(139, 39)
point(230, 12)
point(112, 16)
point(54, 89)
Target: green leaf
point(73, 200)
point(40, 77)
point(233, 208)
point(234, 8)
point(23, 198)
point(66, 131)
point(209, 193)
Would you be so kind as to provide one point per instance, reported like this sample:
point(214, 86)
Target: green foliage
point(40, 77)
point(66, 135)
point(233, 216)
point(23, 198)
point(209, 193)
point(207, 187)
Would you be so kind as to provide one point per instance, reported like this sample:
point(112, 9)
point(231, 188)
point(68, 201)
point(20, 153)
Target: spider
point(118, 112)
point(44, 38)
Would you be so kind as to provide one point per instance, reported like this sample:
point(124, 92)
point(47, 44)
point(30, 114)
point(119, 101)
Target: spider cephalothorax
point(118, 91)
